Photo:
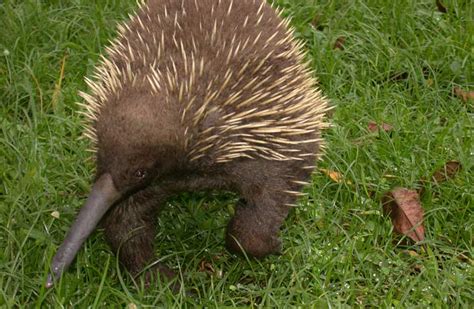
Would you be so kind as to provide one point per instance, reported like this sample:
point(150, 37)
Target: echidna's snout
point(102, 196)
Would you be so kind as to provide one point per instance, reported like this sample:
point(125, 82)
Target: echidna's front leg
point(254, 228)
point(256, 224)
point(130, 229)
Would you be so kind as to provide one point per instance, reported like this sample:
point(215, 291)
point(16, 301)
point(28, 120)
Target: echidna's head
point(137, 141)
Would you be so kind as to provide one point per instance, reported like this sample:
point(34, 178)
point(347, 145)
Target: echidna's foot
point(130, 231)
point(162, 273)
point(252, 243)
point(159, 270)
point(253, 233)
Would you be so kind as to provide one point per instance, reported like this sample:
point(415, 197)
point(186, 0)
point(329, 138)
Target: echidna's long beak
point(102, 196)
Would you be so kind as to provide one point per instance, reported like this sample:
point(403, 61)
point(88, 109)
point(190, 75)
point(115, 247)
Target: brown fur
point(187, 146)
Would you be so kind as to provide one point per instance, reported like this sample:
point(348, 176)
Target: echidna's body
point(199, 94)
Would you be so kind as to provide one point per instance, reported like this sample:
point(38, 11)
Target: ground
point(395, 62)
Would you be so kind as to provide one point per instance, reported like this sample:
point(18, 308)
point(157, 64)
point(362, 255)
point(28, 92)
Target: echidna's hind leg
point(130, 229)
point(267, 192)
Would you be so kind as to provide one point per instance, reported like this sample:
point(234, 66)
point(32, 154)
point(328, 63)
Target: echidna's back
point(231, 68)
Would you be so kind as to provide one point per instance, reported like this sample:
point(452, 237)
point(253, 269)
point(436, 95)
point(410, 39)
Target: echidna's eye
point(140, 173)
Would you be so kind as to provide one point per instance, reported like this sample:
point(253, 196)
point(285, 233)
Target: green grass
point(339, 250)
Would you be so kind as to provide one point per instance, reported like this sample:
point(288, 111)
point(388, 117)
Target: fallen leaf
point(334, 175)
point(463, 95)
point(441, 6)
point(448, 171)
point(411, 253)
point(339, 44)
point(404, 208)
point(374, 127)
point(205, 266)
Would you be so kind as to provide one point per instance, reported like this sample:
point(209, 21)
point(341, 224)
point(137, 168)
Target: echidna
point(198, 95)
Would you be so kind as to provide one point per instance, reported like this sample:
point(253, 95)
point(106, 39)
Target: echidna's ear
point(102, 196)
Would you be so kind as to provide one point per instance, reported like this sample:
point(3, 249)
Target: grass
point(339, 251)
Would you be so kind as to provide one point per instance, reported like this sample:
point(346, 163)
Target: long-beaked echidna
point(196, 95)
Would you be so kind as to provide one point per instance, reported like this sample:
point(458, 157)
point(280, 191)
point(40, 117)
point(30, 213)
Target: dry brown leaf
point(463, 95)
point(448, 171)
point(404, 208)
point(411, 253)
point(441, 6)
point(205, 266)
point(334, 175)
point(374, 127)
point(339, 44)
